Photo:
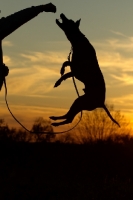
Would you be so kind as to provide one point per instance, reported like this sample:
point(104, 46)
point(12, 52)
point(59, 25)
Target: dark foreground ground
point(65, 172)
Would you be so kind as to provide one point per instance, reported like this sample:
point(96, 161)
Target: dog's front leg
point(65, 64)
point(63, 78)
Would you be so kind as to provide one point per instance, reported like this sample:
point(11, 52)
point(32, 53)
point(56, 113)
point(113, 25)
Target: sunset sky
point(36, 51)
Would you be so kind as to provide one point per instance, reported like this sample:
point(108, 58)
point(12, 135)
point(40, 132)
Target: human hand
point(49, 8)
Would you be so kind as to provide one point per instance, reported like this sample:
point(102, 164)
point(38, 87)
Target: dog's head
point(68, 26)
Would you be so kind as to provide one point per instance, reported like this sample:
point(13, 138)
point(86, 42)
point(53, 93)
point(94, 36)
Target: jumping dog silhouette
point(84, 66)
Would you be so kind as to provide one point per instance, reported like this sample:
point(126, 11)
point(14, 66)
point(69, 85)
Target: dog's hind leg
point(58, 117)
point(79, 104)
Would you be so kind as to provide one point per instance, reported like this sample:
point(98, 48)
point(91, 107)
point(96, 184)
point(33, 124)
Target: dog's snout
point(62, 16)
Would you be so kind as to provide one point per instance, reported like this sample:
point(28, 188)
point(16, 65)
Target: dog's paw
point(57, 83)
point(62, 71)
point(53, 118)
point(55, 124)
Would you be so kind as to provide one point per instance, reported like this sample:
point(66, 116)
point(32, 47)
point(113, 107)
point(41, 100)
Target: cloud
point(7, 60)
point(30, 80)
point(121, 42)
point(115, 56)
point(46, 57)
point(27, 114)
point(119, 33)
point(7, 43)
point(124, 101)
point(115, 51)
point(35, 72)
point(124, 78)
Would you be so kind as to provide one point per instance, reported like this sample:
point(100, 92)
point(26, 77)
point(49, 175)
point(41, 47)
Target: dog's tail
point(108, 113)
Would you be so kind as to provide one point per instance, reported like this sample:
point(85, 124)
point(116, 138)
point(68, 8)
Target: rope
point(44, 131)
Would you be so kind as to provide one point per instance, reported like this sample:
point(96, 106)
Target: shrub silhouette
point(42, 125)
point(39, 126)
point(4, 130)
point(20, 135)
point(97, 126)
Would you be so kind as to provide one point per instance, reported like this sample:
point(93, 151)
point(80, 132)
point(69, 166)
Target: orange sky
point(36, 51)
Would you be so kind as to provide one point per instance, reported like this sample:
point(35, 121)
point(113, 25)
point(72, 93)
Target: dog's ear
point(78, 22)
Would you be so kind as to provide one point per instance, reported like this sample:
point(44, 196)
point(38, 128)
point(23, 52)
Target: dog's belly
point(94, 85)
point(95, 93)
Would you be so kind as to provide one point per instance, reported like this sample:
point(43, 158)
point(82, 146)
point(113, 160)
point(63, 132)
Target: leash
point(69, 59)
point(43, 132)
